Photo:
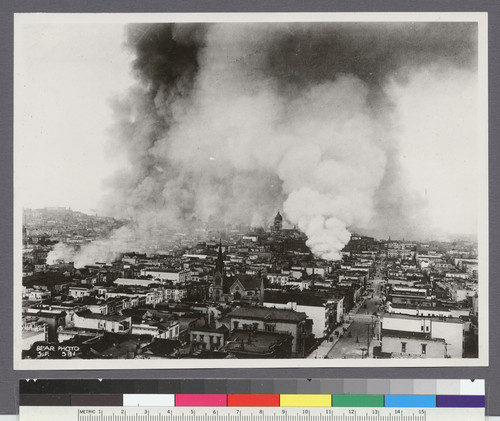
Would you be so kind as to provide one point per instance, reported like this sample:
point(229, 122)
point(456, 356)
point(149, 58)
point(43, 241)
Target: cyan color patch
point(410, 401)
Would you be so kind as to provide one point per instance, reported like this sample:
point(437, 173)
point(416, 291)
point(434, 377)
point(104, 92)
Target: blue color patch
point(410, 401)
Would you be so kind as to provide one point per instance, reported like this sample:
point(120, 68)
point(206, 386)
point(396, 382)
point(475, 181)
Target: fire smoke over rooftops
point(231, 121)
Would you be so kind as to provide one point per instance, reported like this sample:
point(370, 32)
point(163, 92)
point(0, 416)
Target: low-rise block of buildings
point(275, 320)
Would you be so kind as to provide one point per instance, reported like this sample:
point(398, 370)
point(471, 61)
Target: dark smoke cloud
point(310, 54)
point(166, 54)
point(166, 65)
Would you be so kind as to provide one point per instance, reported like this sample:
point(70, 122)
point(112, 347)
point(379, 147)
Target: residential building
point(172, 275)
point(208, 337)
point(449, 329)
point(89, 321)
point(275, 320)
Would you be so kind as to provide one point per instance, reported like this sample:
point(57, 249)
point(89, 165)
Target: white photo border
point(481, 18)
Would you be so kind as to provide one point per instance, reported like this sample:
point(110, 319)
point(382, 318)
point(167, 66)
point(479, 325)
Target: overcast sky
point(65, 76)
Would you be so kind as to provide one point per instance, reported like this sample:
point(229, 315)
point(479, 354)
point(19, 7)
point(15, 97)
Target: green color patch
point(358, 400)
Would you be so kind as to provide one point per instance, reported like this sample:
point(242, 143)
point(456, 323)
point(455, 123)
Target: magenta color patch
point(200, 400)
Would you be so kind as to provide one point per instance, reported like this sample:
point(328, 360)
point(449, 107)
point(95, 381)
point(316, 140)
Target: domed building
point(278, 222)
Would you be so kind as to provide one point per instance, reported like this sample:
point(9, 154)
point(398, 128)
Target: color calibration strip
point(289, 400)
point(422, 394)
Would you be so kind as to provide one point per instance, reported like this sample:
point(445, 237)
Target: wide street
point(359, 335)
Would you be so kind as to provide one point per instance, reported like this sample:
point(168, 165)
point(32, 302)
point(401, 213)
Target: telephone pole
point(368, 342)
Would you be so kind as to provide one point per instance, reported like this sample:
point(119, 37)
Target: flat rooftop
point(260, 342)
point(410, 317)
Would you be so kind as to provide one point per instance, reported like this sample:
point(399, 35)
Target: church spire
point(219, 264)
point(218, 283)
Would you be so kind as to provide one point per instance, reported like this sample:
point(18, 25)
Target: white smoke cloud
point(436, 115)
point(61, 252)
point(103, 250)
point(220, 135)
point(324, 144)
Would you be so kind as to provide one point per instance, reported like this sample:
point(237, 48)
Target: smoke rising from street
point(229, 122)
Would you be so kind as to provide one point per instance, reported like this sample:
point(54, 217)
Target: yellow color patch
point(305, 400)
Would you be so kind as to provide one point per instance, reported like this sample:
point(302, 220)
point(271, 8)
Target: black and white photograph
point(250, 190)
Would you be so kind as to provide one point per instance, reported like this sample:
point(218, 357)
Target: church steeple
point(219, 264)
point(218, 282)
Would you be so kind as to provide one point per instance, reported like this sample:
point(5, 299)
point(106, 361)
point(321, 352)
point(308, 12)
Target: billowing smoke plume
point(231, 121)
point(104, 250)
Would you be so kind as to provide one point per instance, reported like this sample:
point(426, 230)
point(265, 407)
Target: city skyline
point(242, 294)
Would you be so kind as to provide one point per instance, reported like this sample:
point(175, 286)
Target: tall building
point(278, 222)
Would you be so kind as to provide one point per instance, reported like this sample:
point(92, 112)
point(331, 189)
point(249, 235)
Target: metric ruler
point(248, 414)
